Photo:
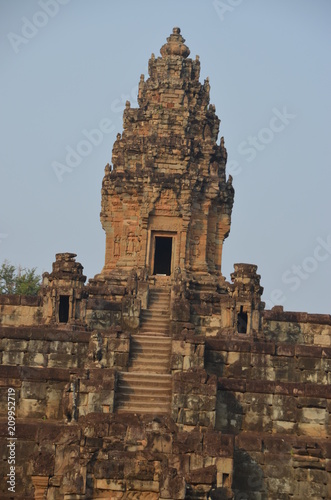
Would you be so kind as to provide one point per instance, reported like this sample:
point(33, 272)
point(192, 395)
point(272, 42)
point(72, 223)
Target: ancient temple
point(159, 379)
point(166, 202)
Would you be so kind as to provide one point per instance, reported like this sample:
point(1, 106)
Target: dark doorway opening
point(242, 321)
point(162, 256)
point(64, 309)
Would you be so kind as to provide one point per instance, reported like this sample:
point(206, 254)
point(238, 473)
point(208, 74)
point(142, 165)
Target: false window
point(242, 321)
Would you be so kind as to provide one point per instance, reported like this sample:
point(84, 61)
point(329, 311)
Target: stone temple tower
point(166, 203)
point(159, 379)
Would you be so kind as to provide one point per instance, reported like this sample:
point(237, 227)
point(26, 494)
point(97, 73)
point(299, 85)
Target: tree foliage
point(19, 281)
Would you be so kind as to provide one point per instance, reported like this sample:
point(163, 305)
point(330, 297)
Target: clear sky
point(69, 64)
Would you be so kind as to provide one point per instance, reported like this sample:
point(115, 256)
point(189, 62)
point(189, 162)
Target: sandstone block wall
point(20, 310)
point(248, 416)
point(276, 399)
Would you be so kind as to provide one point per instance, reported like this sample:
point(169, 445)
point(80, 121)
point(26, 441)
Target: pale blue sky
point(264, 58)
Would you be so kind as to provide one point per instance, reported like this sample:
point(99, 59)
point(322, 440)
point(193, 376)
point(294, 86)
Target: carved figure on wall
point(69, 401)
point(195, 251)
point(211, 250)
point(117, 247)
point(131, 244)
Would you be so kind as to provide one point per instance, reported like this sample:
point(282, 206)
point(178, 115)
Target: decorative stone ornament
point(175, 45)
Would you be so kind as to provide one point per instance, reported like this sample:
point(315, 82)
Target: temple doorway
point(163, 255)
point(64, 309)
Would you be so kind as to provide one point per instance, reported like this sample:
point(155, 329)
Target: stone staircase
point(146, 387)
point(155, 319)
point(150, 353)
point(143, 393)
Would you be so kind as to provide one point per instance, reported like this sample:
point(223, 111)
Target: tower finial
point(175, 45)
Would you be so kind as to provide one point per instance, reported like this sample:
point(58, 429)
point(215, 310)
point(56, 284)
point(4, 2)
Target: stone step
point(152, 333)
point(126, 376)
point(146, 339)
point(151, 350)
point(159, 313)
point(155, 331)
point(151, 385)
point(150, 353)
point(150, 409)
point(159, 289)
point(144, 379)
point(161, 341)
point(141, 368)
point(126, 389)
point(161, 292)
point(155, 321)
point(147, 365)
point(154, 327)
point(159, 346)
point(156, 315)
point(148, 389)
point(129, 405)
point(158, 304)
point(143, 399)
point(162, 320)
point(151, 362)
point(156, 299)
point(155, 324)
point(159, 295)
point(161, 396)
point(158, 307)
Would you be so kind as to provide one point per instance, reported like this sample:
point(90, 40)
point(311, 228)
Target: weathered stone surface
point(159, 379)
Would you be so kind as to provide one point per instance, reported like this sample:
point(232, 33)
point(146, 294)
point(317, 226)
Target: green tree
point(18, 281)
point(7, 278)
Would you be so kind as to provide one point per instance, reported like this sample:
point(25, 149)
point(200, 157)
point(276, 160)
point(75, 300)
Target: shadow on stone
point(248, 480)
point(219, 494)
point(214, 363)
point(229, 413)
